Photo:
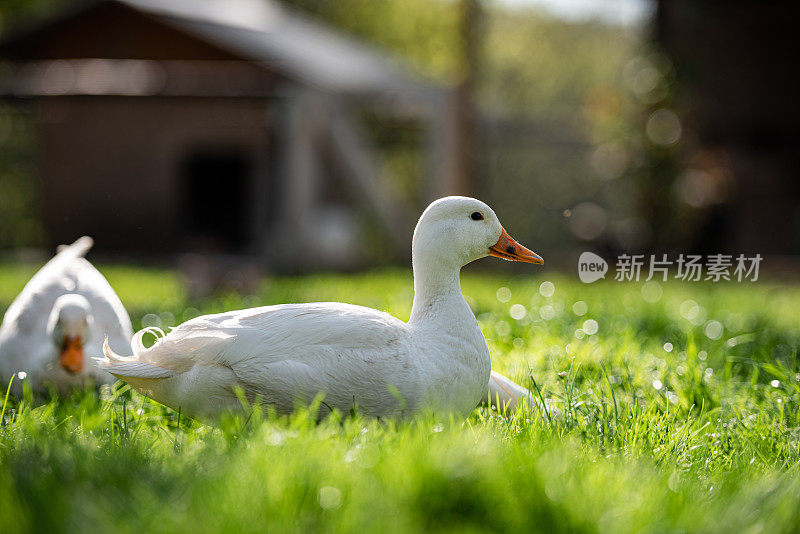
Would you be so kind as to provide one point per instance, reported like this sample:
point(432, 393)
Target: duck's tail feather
point(137, 341)
point(79, 248)
point(133, 366)
point(65, 256)
point(170, 355)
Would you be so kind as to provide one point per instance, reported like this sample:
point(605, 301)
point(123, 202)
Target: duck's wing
point(278, 353)
point(271, 334)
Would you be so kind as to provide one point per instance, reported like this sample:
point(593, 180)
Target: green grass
point(715, 448)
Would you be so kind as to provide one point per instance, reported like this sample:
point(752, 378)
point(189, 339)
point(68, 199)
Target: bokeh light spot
point(547, 288)
point(663, 128)
point(503, 294)
point(590, 326)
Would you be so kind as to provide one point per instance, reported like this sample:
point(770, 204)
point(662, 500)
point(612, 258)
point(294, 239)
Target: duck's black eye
point(477, 216)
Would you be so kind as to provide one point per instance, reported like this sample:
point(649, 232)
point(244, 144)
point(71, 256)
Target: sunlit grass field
point(679, 410)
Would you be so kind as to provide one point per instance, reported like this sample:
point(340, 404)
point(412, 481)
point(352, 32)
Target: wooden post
point(453, 129)
point(464, 106)
point(351, 152)
point(298, 180)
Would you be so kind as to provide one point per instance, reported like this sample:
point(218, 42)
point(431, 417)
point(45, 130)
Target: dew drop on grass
point(547, 288)
point(580, 334)
point(519, 342)
point(668, 347)
point(275, 439)
point(590, 326)
point(251, 301)
point(22, 375)
point(734, 322)
point(580, 308)
point(651, 291)
point(713, 330)
point(689, 310)
point(151, 319)
point(368, 455)
point(503, 294)
point(775, 383)
point(167, 318)
point(657, 384)
point(547, 312)
point(502, 328)
point(674, 481)
point(702, 355)
point(517, 311)
point(329, 498)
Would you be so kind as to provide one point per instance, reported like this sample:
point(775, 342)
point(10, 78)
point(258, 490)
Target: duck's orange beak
point(510, 250)
point(71, 357)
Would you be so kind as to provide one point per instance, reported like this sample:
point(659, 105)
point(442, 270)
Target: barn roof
point(282, 40)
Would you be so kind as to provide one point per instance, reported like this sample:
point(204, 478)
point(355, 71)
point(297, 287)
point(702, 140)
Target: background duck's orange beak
point(510, 250)
point(71, 357)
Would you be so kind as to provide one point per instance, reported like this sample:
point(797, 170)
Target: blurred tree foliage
point(422, 32)
point(545, 67)
point(20, 224)
point(10, 9)
point(561, 142)
point(530, 62)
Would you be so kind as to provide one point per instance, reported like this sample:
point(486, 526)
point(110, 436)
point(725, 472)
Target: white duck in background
point(54, 329)
point(355, 356)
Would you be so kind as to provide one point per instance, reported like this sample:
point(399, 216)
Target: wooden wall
point(111, 166)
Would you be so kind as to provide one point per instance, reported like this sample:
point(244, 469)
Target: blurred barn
point(168, 126)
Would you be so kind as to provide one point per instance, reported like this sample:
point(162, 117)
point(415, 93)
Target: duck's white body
point(27, 342)
point(354, 356)
point(285, 354)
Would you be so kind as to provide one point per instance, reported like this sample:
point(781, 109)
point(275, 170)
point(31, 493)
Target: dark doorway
point(216, 191)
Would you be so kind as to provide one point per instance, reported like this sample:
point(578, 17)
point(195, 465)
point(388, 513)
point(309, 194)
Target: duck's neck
point(437, 292)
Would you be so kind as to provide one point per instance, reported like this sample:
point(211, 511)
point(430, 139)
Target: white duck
point(355, 356)
point(54, 329)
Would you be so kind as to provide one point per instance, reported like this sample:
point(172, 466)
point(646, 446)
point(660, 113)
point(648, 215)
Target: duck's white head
point(68, 326)
point(454, 231)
